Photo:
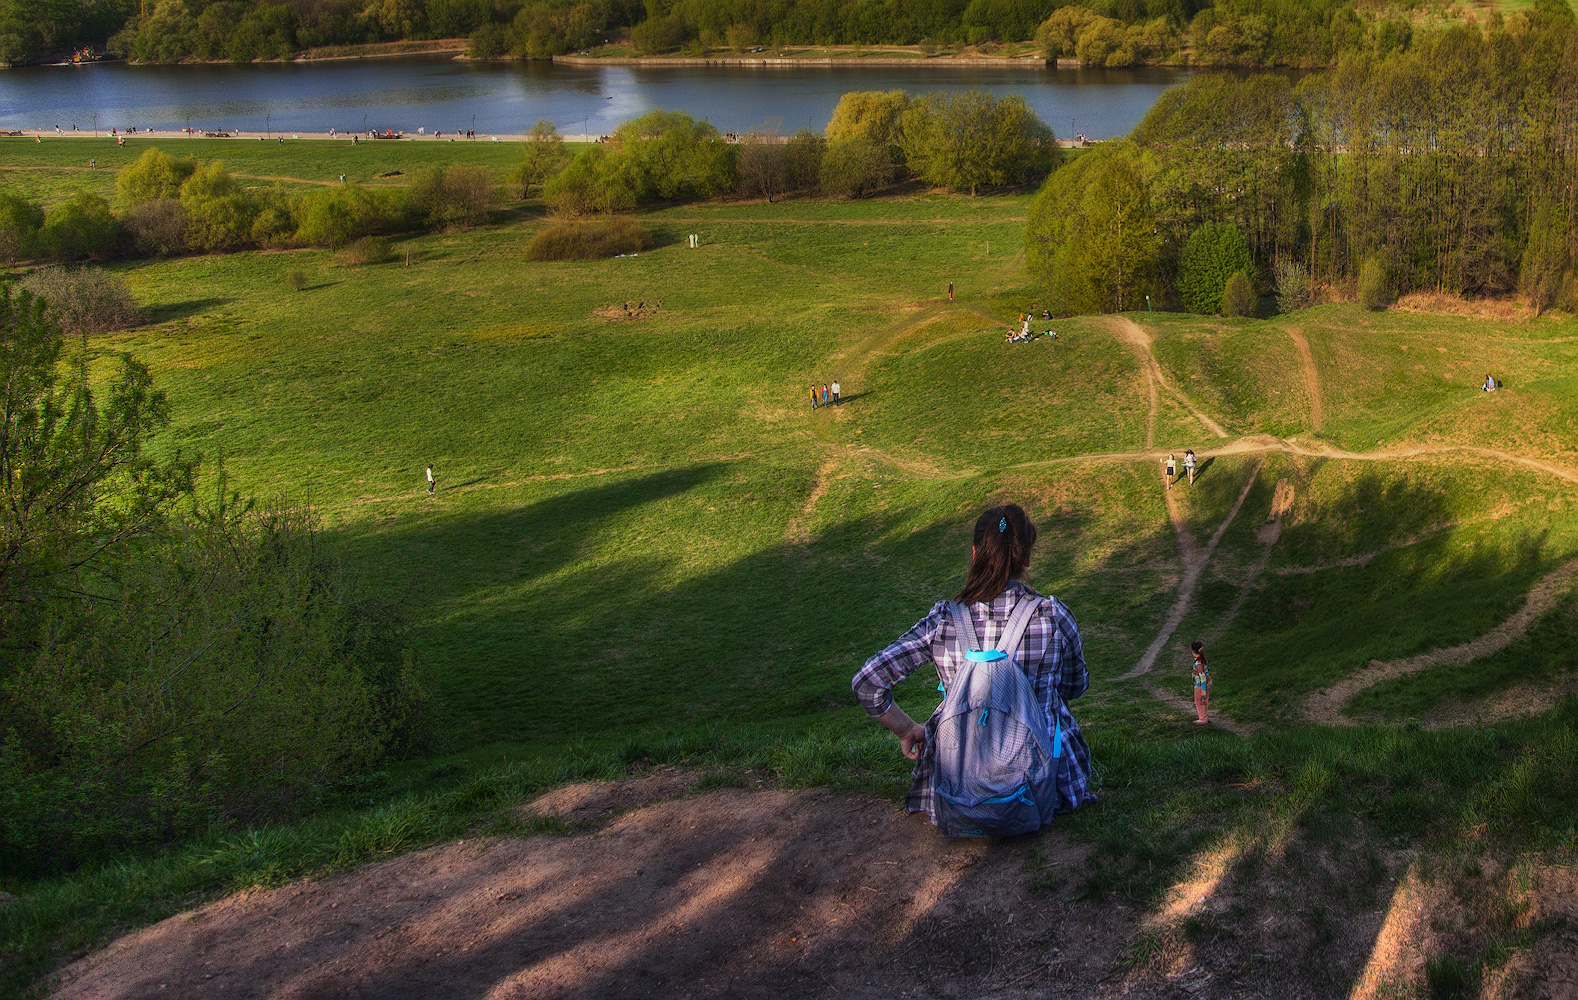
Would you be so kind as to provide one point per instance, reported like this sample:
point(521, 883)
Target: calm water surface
point(439, 93)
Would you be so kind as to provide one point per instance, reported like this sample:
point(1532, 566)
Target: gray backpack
point(995, 772)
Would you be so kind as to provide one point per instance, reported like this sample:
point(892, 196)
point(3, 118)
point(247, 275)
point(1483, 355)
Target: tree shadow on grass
point(171, 311)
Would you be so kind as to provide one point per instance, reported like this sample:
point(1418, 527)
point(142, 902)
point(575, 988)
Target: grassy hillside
point(646, 547)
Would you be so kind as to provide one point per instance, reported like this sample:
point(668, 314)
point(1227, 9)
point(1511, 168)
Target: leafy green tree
point(20, 221)
point(1238, 298)
point(448, 196)
point(218, 214)
point(1545, 259)
point(332, 218)
point(855, 167)
point(542, 155)
point(962, 141)
point(803, 155)
point(1215, 252)
point(598, 180)
point(153, 175)
point(869, 114)
point(1375, 285)
point(1090, 240)
point(676, 156)
point(1293, 286)
point(81, 226)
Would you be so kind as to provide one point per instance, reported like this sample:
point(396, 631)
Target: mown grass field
point(646, 547)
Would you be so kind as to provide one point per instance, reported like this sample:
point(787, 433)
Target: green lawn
point(645, 546)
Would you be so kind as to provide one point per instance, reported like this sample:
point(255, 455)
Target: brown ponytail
point(1003, 539)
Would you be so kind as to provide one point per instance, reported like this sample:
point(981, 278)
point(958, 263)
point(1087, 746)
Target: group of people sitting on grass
point(1024, 334)
point(827, 396)
point(1002, 754)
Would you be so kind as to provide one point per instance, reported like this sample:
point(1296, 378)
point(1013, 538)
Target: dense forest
point(1302, 33)
point(1447, 167)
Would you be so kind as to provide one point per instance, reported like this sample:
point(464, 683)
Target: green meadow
point(645, 547)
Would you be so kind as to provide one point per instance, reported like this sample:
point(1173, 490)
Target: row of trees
point(171, 205)
point(1106, 32)
point(1449, 165)
point(960, 141)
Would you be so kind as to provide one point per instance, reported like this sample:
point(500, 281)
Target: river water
point(440, 93)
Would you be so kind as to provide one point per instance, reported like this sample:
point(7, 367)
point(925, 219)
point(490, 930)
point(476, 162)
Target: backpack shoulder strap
point(1018, 621)
point(963, 625)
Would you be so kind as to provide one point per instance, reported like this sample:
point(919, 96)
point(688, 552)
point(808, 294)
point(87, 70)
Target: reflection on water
point(440, 93)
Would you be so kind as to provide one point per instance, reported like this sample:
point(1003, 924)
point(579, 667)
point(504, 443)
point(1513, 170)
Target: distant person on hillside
point(813, 397)
point(1490, 383)
point(1001, 642)
point(835, 392)
point(1189, 463)
point(950, 291)
point(1024, 327)
point(827, 392)
point(1202, 682)
point(1171, 471)
point(431, 482)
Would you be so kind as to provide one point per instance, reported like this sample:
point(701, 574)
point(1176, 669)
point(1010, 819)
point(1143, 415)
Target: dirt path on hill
point(731, 893)
point(1311, 378)
point(1134, 335)
point(798, 531)
point(1325, 707)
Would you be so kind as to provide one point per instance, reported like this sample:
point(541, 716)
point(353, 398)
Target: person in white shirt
point(1189, 463)
point(431, 483)
point(835, 392)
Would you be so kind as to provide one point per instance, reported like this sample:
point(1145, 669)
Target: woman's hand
point(911, 734)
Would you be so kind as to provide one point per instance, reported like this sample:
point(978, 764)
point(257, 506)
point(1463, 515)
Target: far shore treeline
point(1243, 33)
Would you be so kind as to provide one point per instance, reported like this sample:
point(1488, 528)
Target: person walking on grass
point(813, 397)
point(835, 392)
point(1202, 682)
point(950, 291)
point(826, 394)
point(431, 482)
point(1189, 464)
point(1171, 471)
point(1009, 661)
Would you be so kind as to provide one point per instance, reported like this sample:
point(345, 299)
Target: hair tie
point(1002, 525)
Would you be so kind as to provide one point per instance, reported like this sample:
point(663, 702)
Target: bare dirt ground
point(763, 893)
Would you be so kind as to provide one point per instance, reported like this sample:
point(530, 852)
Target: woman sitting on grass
point(1050, 653)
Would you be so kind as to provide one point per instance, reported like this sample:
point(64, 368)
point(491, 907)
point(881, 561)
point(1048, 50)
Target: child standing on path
point(1202, 682)
point(1172, 471)
point(1189, 463)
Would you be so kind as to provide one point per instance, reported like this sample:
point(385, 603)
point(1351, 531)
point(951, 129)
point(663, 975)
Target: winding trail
point(1131, 333)
point(1194, 561)
point(1311, 377)
point(798, 531)
point(1325, 707)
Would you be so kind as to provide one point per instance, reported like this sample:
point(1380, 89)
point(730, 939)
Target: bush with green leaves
point(171, 661)
point(155, 228)
point(573, 239)
point(153, 176)
point(1239, 298)
point(333, 217)
point(446, 197)
point(1091, 238)
point(1214, 253)
point(1293, 285)
point(803, 161)
point(78, 228)
point(84, 300)
point(1375, 285)
point(20, 221)
point(366, 250)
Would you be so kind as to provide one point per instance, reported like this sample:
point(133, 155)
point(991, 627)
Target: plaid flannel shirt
point(1051, 654)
